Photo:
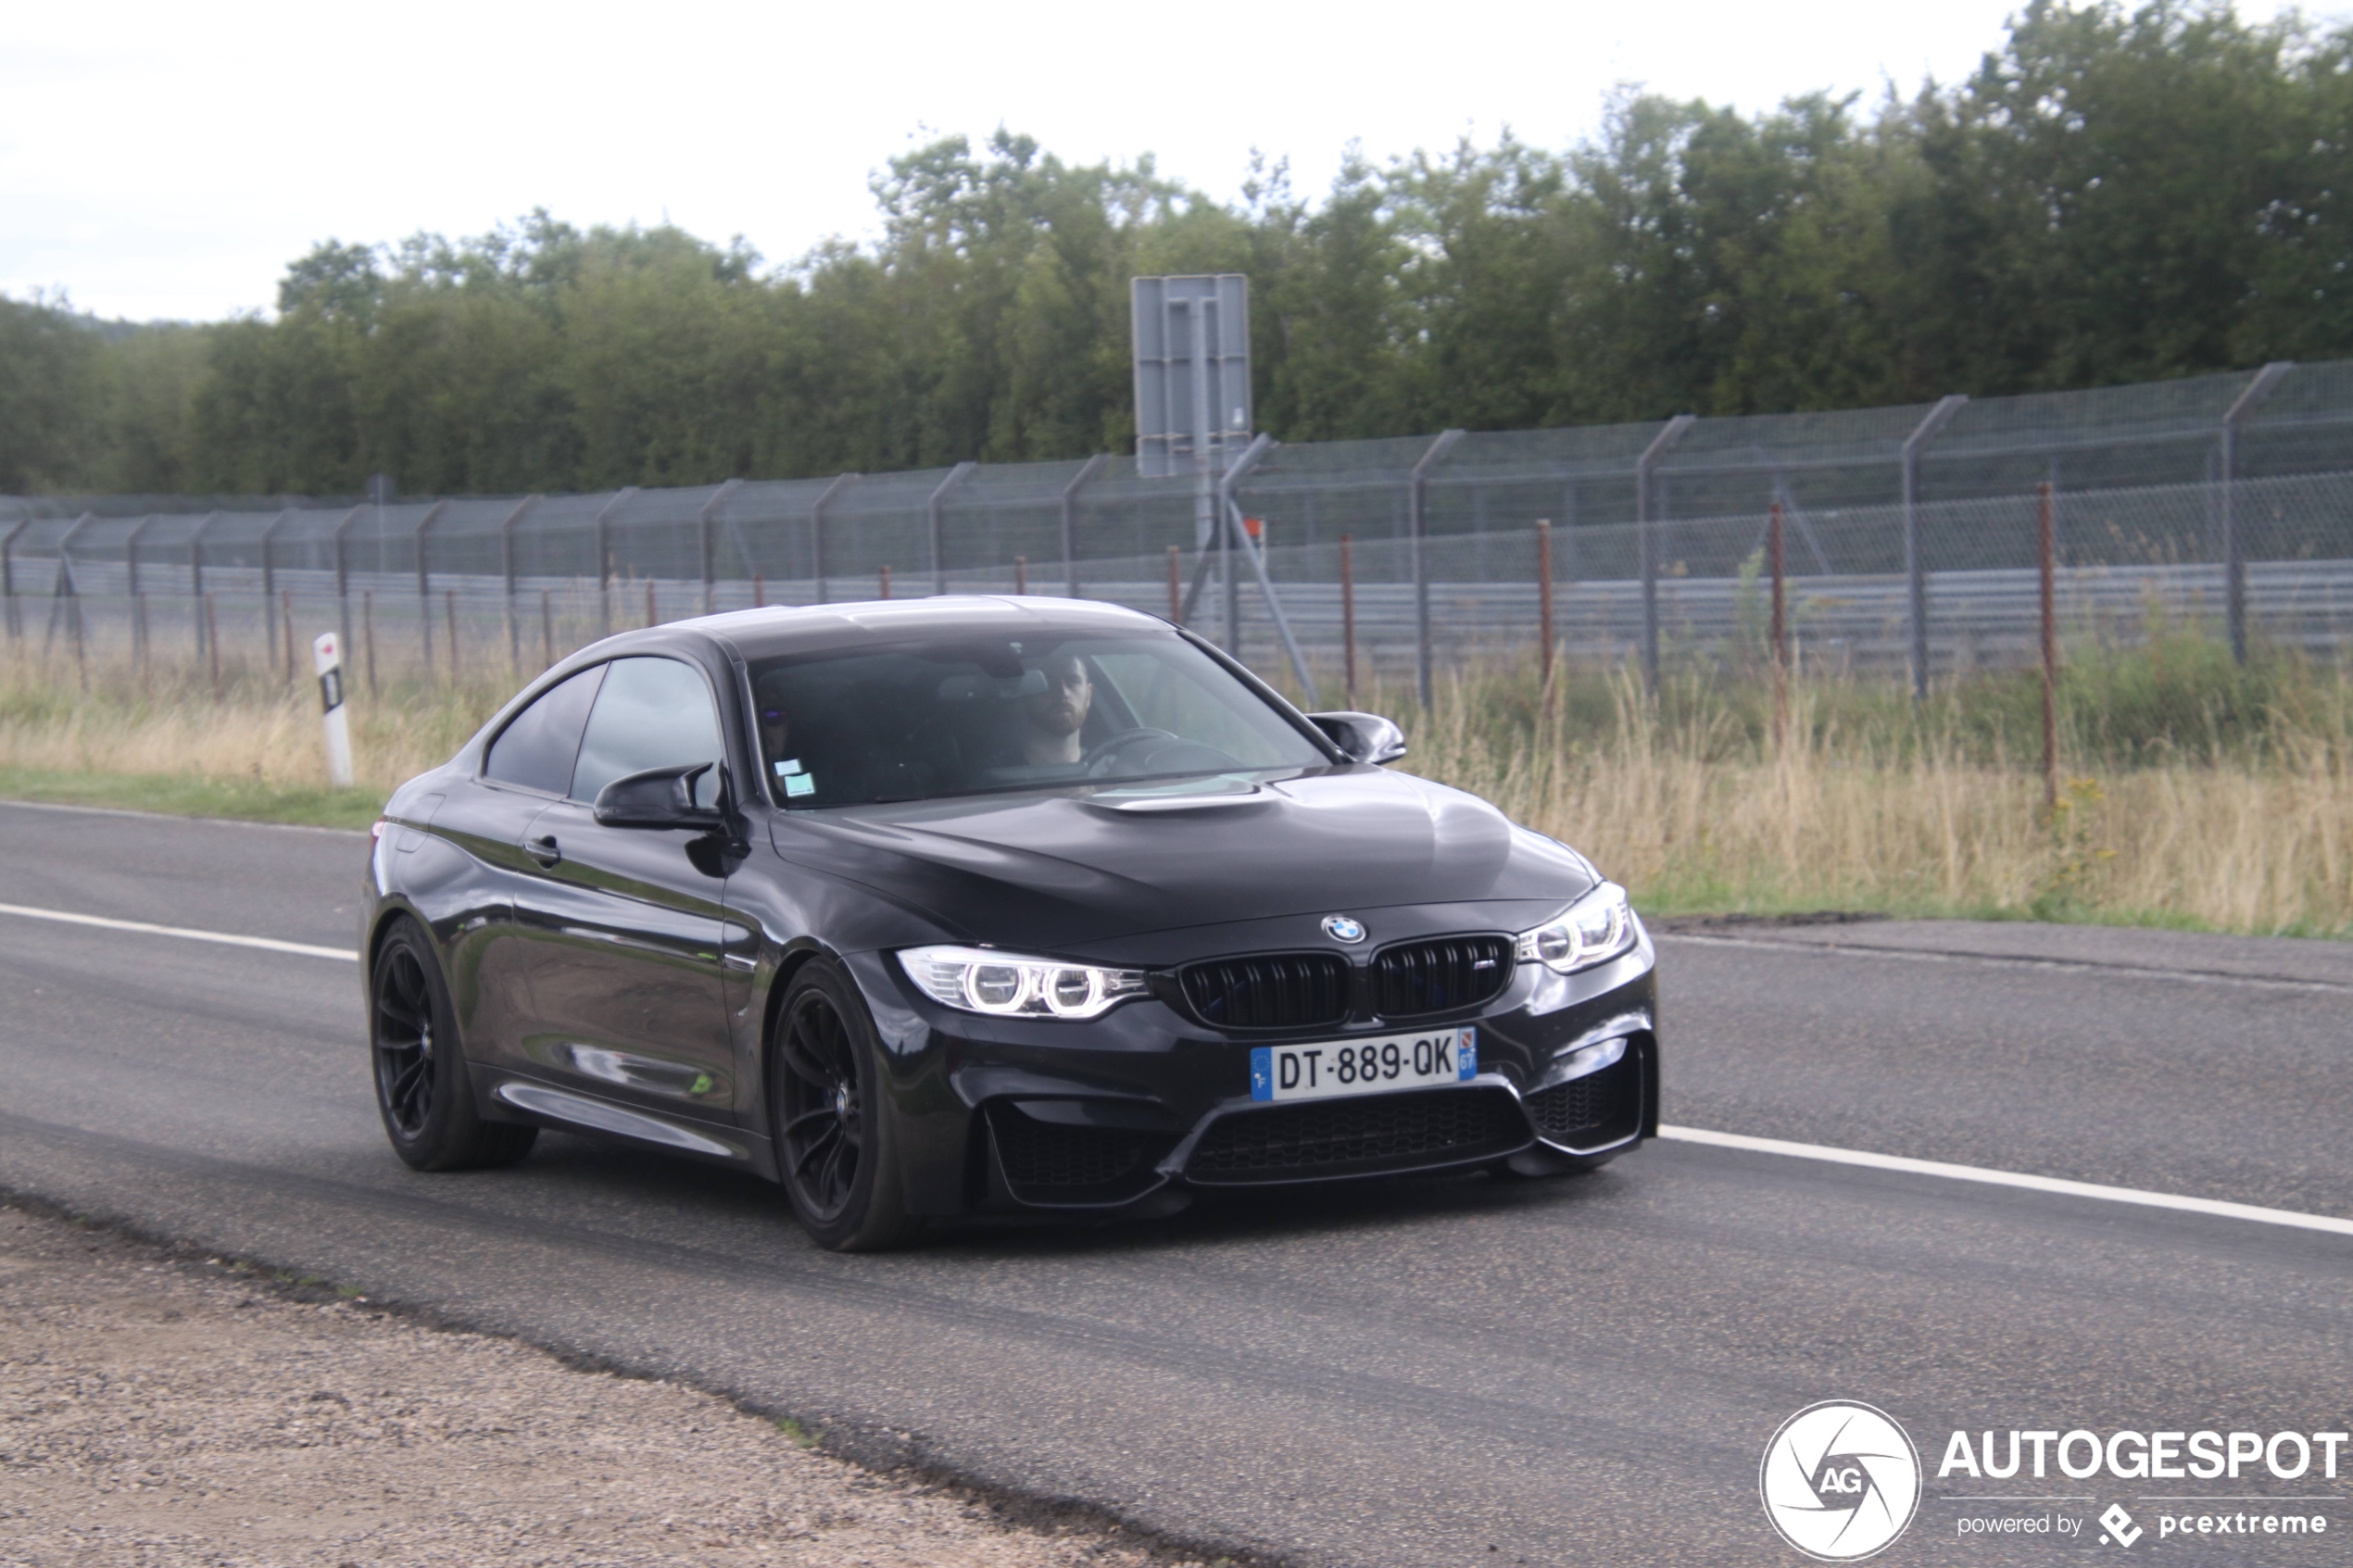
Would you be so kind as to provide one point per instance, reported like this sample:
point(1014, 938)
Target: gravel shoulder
point(158, 1410)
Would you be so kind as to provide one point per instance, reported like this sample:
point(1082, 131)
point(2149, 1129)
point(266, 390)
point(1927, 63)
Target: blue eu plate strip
point(1262, 1073)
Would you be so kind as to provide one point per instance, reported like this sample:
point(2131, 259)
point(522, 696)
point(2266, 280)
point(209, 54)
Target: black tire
point(423, 1092)
point(834, 1151)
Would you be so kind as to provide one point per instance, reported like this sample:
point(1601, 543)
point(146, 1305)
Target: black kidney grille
point(1269, 990)
point(1440, 975)
point(1376, 1132)
point(1598, 1108)
point(1038, 1154)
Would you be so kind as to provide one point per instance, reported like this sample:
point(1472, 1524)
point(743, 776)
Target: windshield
point(968, 716)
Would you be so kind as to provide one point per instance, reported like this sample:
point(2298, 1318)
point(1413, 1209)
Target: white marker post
point(326, 657)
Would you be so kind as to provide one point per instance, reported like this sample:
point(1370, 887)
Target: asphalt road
point(1450, 1373)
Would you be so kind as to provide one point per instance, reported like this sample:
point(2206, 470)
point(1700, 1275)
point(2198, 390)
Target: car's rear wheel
point(833, 1147)
point(421, 1088)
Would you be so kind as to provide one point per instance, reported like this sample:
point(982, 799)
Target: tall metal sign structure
point(1193, 417)
point(1192, 396)
point(1193, 374)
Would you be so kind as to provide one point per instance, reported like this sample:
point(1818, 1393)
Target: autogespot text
point(2201, 1455)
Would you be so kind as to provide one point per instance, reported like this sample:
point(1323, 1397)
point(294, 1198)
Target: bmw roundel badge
point(1339, 928)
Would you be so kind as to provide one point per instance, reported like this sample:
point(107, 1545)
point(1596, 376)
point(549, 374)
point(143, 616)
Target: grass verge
point(182, 795)
point(2198, 794)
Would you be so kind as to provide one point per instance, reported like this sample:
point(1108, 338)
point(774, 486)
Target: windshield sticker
point(800, 784)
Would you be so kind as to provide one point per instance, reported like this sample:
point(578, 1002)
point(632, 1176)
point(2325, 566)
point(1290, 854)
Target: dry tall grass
point(1692, 813)
point(106, 717)
point(1870, 806)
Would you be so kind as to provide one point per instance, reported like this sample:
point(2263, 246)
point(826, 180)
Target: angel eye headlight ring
point(1598, 927)
point(1017, 984)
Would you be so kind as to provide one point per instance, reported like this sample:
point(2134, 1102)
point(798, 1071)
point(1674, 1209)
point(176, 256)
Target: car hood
point(1057, 871)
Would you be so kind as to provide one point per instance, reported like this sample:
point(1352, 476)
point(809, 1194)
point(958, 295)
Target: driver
point(1052, 717)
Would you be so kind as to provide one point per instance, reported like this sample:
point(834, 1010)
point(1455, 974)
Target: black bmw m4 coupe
point(985, 905)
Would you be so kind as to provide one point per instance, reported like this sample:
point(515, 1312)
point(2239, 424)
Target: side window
point(651, 713)
point(538, 745)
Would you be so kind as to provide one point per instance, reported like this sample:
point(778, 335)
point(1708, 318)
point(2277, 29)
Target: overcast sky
point(166, 160)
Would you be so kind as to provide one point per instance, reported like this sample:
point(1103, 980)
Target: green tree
point(49, 395)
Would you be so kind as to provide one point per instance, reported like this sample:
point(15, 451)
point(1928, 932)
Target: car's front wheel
point(832, 1145)
point(422, 1088)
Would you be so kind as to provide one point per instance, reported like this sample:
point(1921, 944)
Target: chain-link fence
point(2223, 501)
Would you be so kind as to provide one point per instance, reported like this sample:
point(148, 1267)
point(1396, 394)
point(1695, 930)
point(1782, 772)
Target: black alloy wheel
point(404, 1043)
point(832, 1148)
point(423, 1090)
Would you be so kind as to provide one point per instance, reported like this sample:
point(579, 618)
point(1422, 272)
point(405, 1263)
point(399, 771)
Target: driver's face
point(1061, 709)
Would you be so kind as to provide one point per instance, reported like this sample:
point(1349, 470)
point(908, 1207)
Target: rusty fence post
point(212, 641)
point(1779, 632)
point(2048, 551)
point(1544, 597)
point(1348, 615)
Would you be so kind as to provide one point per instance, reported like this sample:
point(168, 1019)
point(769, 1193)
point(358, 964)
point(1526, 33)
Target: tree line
point(2113, 195)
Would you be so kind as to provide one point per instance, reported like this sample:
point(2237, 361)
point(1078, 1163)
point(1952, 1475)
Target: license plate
point(1327, 1069)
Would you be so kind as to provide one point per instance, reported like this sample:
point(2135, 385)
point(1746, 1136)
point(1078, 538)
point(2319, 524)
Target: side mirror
point(658, 798)
point(1361, 738)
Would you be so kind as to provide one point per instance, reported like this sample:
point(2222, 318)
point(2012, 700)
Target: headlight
point(1009, 984)
point(1597, 928)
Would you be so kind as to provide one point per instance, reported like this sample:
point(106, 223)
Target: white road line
point(176, 818)
point(2011, 1179)
point(1686, 1135)
point(266, 943)
point(2013, 960)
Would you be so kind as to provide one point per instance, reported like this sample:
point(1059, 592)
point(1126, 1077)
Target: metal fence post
point(270, 583)
point(2234, 546)
point(817, 529)
point(704, 519)
point(425, 586)
point(1348, 617)
point(343, 578)
point(1645, 469)
point(71, 586)
point(1915, 563)
point(1544, 598)
point(195, 581)
point(507, 569)
point(9, 576)
point(1070, 521)
point(956, 476)
point(1240, 535)
point(604, 557)
point(1779, 562)
point(130, 554)
point(2047, 560)
point(1416, 495)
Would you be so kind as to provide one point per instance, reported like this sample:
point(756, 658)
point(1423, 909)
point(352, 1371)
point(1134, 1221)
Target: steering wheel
point(1099, 756)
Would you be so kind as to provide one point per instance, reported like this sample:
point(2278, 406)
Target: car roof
point(762, 633)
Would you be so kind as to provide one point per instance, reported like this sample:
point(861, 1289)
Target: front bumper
point(1127, 1112)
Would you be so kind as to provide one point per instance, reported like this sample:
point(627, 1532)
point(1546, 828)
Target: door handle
point(543, 849)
